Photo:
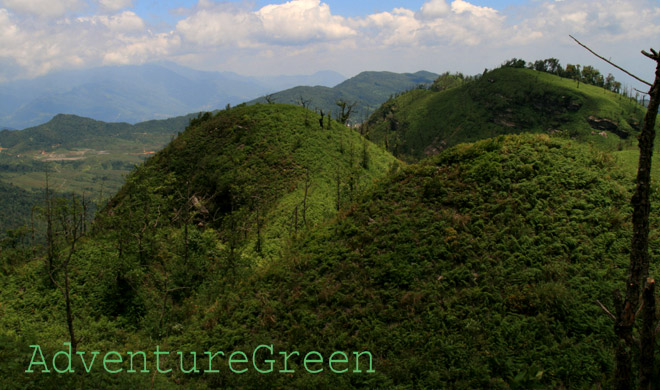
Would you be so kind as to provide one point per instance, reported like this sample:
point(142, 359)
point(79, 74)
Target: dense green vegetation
point(503, 101)
point(478, 268)
point(266, 169)
point(269, 224)
point(367, 91)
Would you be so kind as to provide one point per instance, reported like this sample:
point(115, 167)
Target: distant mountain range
point(137, 93)
point(367, 91)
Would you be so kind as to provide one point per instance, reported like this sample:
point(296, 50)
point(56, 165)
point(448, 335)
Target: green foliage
point(463, 272)
point(245, 169)
point(477, 268)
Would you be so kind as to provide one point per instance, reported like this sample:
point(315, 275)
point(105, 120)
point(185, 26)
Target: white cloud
point(38, 36)
point(115, 5)
point(212, 27)
point(434, 8)
point(43, 8)
point(125, 22)
point(302, 21)
point(292, 23)
point(397, 28)
point(141, 49)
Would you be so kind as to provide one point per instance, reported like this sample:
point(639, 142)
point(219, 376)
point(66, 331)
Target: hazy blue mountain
point(135, 93)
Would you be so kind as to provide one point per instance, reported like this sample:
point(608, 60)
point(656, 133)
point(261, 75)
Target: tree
point(513, 63)
point(70, 218)
point(609, 82)
point(552, 65)
point(639, 286)
point(638, 273)
point(346, 110)
point(540, 65)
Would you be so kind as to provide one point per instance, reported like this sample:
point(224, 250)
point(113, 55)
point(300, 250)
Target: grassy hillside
point(368, 90)
point(266, 171)
point(478, 268)
point(504, 101)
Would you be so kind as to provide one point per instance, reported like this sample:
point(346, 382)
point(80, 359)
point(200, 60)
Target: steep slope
point(504, 101)
point(271, 169)
point(367, 90)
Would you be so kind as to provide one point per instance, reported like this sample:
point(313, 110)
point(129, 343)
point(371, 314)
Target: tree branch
point(606, 311)
point(617, 66)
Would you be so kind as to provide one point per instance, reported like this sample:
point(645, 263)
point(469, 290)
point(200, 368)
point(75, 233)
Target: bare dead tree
point(50, 242)
point(639, 287)
point(308, 183)
point(303, 102)
point(346, 110)
point(71, 226)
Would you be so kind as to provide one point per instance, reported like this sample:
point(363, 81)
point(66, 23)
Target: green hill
point(478, 268)
point(267, 171)
point(503, 101)
point(71, 132)
point(82, 155)
point(367, 90)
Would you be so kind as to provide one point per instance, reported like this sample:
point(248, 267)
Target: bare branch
point(615, 65)
point(606, 311)
point(653, 56)
point(639, 309)
point(645, 93)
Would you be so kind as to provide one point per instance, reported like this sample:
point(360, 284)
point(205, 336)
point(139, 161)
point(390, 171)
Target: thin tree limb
point(609, 313)
point(615, 65)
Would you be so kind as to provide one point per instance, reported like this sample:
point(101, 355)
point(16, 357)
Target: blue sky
point(269, 37)
point(161, 10)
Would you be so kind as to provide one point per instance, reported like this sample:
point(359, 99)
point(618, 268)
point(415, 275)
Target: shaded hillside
point(476, 269)
point(17, 206)
point(504, 101)
point(368, 90)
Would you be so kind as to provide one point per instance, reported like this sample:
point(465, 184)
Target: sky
point(270, 37)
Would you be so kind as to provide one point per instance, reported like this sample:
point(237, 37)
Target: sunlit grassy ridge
point(504, 101)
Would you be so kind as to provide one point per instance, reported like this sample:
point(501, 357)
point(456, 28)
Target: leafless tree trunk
point(638, 285)
point(308, 183)
point(639, 256)
point(72, 232)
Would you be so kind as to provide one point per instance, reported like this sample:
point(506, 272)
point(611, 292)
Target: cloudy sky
point(304, 36)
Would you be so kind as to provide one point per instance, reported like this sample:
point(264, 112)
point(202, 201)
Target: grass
point(503, 101)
